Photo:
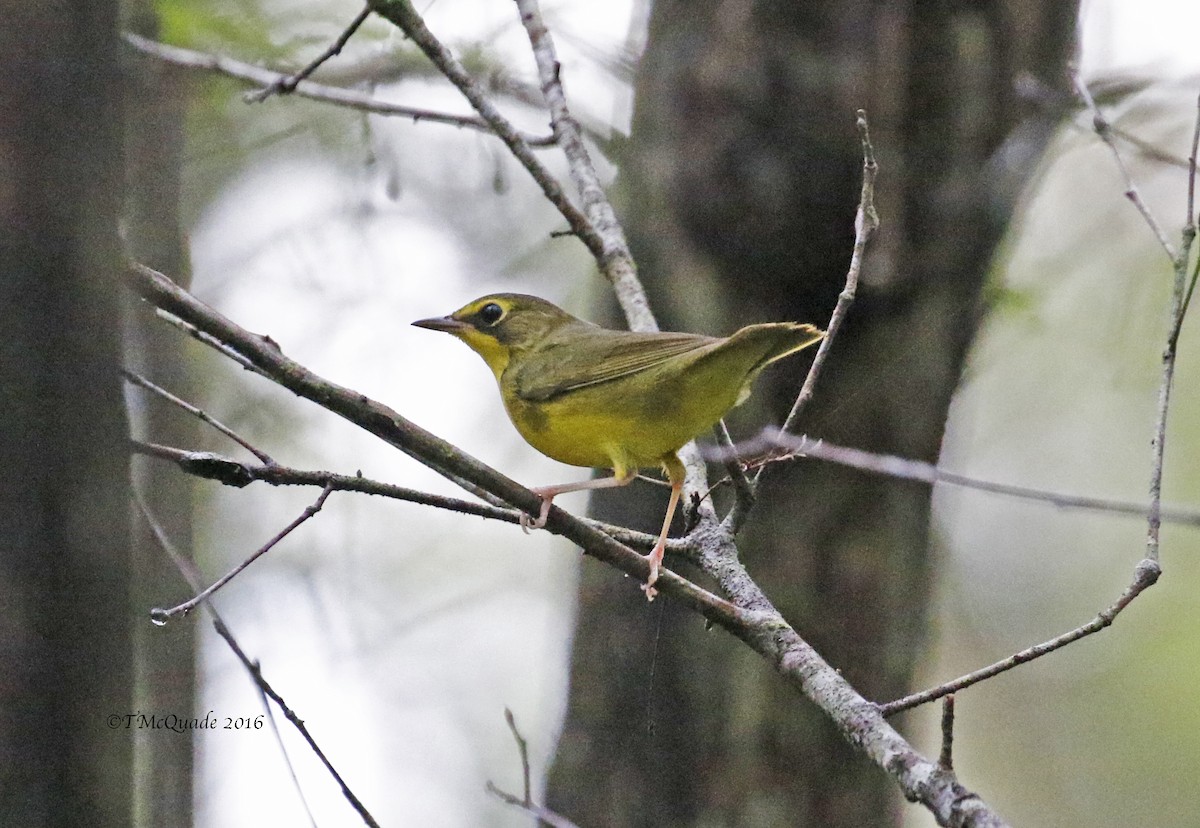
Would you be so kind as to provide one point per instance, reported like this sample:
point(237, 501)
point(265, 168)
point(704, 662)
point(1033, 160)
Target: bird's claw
point(528, 521)
point(655, 559)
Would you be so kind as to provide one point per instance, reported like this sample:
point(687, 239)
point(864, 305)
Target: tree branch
point(614, 258)
point(161, 616)
point(771, 440)
point(405, 17)
point(336, 95)
point(192, 576)
point(230, 472)
point(749, 615)
point(140, 381)
point(287, 84)
point(1145, 575)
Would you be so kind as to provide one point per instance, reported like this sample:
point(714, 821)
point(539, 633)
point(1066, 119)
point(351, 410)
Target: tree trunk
point(742, 177)
point(166, 673)
point(65, 620)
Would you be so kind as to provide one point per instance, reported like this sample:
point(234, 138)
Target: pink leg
point(548, 493)
point(656, 554)
point(676, 473)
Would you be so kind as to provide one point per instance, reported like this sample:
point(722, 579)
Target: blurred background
point(1013, 296)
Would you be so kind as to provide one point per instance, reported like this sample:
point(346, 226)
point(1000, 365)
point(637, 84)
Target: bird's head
point(498, 325)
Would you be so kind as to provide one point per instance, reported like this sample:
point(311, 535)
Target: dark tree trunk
point(742, 176)
point(65, 620)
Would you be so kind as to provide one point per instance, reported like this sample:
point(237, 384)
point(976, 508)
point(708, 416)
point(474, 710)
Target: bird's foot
point(528, 521)
point(655, 560)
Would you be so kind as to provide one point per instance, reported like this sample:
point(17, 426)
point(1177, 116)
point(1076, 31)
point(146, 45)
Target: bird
point(621, 400)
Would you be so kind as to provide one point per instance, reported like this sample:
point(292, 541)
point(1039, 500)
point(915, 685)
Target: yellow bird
point(589, 396)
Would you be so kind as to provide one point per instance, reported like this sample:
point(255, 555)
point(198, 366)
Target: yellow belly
point(622, 425)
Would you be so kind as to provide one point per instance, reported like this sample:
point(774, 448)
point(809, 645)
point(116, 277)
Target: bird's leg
point(676, 473)
point(548, 493)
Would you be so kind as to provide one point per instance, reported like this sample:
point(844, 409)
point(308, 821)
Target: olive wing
point(597, 356)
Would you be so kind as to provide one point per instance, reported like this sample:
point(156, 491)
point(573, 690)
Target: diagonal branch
point(162, 616)
point(749, 616)
point(614, 258)
point(140, 381)
point(405, 17)
point(1145, 575)
point(192, 577)
point(287, 84)
point(866, 220)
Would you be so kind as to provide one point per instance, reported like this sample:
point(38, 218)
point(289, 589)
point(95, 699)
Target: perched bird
point(589, 396)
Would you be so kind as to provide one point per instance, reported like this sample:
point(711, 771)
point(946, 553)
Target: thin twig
point(265, 700)
point(866, 221)
point(1104, 131)
point(336, 95)
point(523, 749)
point(1180, 294)
point(1145, 575)
point(287, 84)
point(139, 380)
point(295, 721)
point(209, 340)
point(946, 758)
point(771, 440)
point(1179, 297)
point(162, 616)
point(544, 815)
point(1190, 220)
point(1190, 230)
point(192, 576)
point(742, 486)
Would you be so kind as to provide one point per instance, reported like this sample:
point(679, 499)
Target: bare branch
point(866, 220)
point(336, 95)
point(544, 815)
point(287, 84)
point(1180, 296)
point(742, 485)
point(192, 576)
point(162, 616)
point(406, 18)
point(139, 380)
point(770, 440)
point(1190, 218)
point(1103, 129)
point(226, 470)
point(616, 262)
point(749, 616)
point(1145, 575)
point(209, 340)
point(523, 749)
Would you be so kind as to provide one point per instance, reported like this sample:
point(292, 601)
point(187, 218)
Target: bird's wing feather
point(598, 356)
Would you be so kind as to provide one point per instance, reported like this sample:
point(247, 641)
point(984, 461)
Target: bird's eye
point(491, 313)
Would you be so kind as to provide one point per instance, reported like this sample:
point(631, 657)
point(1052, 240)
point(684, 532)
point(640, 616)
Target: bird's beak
point(446, 324)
